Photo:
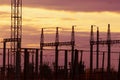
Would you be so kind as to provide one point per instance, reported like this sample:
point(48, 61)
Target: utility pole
point(56, 52)
point(109, 48)
point(97, 55)
point(72, 55)
point(41, 52)
point(91, 49)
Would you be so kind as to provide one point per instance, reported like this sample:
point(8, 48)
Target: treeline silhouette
point(47, 73)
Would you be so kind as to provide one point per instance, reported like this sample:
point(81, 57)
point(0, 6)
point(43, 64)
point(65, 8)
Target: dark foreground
point(46, 73)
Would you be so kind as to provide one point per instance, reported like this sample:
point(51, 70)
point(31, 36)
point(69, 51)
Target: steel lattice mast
point(16, 34)
point(16, 24)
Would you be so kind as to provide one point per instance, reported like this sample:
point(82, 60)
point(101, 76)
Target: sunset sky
point(57, 13)
point(39, 14)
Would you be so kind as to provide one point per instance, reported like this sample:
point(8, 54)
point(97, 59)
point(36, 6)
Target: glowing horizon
point(38, 18)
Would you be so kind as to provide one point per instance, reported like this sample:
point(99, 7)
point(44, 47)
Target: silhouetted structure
point(35, 69)
point(57, 43)
point(107, 42)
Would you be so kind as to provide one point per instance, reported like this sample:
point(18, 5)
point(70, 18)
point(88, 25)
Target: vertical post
point(65, 64)
point(56, 52)
point(76, 57)
point(81, 65)
point(33, 59)
point(75, 71)
point(32, 66)
point(41, 64)
point(18, 65)
point(81, 57)
point(41, 52)
point(26, 64)
point(103, 60)
point(8, 59)
point(4, 58)
point(119, 68)
point(109, 48)
point(8, 71)
point(36, 63)
point(91, 49)
point(72, 47)
point(97, 55)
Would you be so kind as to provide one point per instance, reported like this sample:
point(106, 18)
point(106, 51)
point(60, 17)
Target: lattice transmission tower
point(16, 25)
point(16, 34)
point(15, 38)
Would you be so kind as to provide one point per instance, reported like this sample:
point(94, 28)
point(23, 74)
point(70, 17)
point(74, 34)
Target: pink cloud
point(73, 5)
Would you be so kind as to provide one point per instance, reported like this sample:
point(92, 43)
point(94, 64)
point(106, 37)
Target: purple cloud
point(73, 5)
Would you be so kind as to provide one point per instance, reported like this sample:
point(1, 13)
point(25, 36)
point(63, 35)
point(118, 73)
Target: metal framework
point(16, 24)
point(16, 33)
point(57, 43)
point(98, 42)
point(60, 44)
point(104, 42)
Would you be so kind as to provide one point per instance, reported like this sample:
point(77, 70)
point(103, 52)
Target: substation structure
point(56, 44)
point(98, 42)
point(13, 69)
point(14, 58)
point(28, 67)
point(16, 35)
point(34, 69)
